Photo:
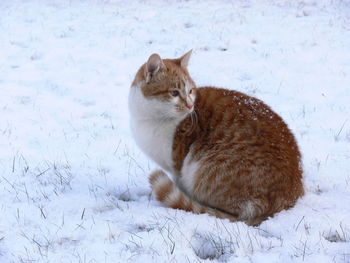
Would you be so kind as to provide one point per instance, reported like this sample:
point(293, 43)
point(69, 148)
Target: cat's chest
point(156, 140)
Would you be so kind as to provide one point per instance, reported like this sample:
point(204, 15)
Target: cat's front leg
point(160, 184)
point(167, 192)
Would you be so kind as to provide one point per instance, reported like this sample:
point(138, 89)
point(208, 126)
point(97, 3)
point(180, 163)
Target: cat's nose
point(189, 106)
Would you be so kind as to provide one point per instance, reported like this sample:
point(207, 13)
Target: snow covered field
point(73, 185)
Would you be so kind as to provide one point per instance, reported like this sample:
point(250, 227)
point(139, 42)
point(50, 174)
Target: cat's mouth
point(185, 109)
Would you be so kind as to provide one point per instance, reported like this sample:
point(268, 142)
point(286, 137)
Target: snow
point(73, 184)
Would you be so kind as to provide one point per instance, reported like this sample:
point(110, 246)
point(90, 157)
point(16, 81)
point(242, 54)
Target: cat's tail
point(171, 196)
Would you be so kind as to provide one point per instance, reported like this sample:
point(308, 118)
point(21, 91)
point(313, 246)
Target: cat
point(229, 155)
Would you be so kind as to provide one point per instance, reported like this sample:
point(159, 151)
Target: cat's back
point(231, 117)
point(228, 116)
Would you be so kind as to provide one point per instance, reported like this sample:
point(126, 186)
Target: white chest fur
point(153, 134)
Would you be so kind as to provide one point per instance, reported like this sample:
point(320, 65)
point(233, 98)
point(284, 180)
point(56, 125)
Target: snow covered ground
point(73, 185)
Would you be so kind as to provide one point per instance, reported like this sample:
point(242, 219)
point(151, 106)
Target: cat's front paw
point(161, 185)
point(156, 177)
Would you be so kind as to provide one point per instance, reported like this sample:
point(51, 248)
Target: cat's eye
point(174, 93)
point(191, 90)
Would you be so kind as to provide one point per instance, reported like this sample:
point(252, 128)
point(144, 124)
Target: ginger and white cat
point(229, 154)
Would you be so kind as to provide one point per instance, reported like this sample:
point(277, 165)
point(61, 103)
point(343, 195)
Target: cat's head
point(166, 86)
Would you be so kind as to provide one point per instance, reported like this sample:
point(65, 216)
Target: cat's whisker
point(194, 118)
point(194, 122)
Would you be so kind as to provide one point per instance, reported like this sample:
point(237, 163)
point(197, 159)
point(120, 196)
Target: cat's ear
point(185, 59)
point(153, 65)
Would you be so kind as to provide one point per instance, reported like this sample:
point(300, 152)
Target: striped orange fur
point(229, 154)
